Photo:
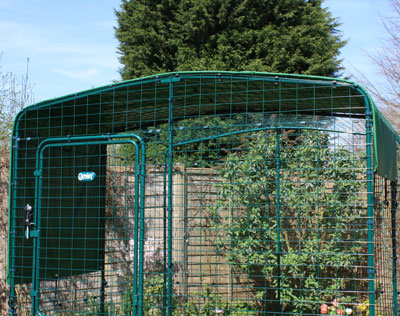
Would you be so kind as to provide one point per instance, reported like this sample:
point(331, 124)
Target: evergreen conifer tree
point(292, 36)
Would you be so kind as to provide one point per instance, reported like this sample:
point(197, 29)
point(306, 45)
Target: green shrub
point(300, 253)
point(204, 153)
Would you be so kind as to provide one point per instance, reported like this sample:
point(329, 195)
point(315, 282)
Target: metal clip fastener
point(28, 220)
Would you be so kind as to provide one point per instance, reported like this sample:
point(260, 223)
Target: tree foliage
point(315, 231)
point(293, 36)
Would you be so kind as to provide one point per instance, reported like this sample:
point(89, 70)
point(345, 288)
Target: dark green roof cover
point(384, 135)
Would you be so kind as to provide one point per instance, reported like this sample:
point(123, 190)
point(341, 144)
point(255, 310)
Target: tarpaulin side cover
point(72, 216)
point(385, 153)
point(72, 219)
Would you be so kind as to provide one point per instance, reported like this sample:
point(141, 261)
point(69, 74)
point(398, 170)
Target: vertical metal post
point(103, 150)
point(36, 242)
point(136, 239)
point(165, 236)
point(278, 218)
point(12, 226)
point(370, 207)
point(142, 215)
point(393, 187)
point(170, 197)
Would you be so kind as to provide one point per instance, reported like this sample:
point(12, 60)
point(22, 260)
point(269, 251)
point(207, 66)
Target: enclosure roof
point(317, 95)
point(164, 78)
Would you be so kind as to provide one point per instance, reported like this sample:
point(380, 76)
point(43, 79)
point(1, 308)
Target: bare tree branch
point(15, 94)
point(388, 65)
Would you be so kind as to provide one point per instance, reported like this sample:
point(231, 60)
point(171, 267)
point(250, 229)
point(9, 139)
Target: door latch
point(28, 220)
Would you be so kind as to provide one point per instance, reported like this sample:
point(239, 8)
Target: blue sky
point(71, 44)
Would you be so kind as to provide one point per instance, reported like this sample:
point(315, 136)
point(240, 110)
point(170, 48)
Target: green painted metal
point(165, 234)
point(11, 230)
point(142, 224)
point(318, 219)
point(170, 198)
point(393, 198)
point(278, 217)
point(370, 207)
point(36, 267)
point(140, 163)
point(251, 76)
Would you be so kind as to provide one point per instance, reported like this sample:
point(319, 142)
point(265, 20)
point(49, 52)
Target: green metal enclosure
point(205, 193)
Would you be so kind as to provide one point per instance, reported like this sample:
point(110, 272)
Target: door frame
point(140, 177)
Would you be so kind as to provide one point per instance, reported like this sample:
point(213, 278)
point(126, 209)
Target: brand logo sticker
point(86, 176)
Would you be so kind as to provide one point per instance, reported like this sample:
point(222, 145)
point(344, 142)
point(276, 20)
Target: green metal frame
point(140, 175)
point(394, 204)
point(359, 105)
point(369, 176)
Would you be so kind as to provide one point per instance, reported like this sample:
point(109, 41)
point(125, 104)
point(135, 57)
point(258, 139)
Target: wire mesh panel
point(85, 259)
point(385, 245)
point(245, 194)
point(274, 225)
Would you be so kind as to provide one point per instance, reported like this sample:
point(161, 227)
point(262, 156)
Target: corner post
point(393, 190)
point(370, 205)
point(170, 195)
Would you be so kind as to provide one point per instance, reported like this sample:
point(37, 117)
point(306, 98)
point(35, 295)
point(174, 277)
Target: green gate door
point(85, 226)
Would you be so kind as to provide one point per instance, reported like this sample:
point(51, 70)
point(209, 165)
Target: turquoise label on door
point(86, 176)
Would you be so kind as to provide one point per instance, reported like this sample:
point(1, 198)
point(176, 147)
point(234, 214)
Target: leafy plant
point(211, 304)
point(296, 241)
point(207, 302)
point(207, 152)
